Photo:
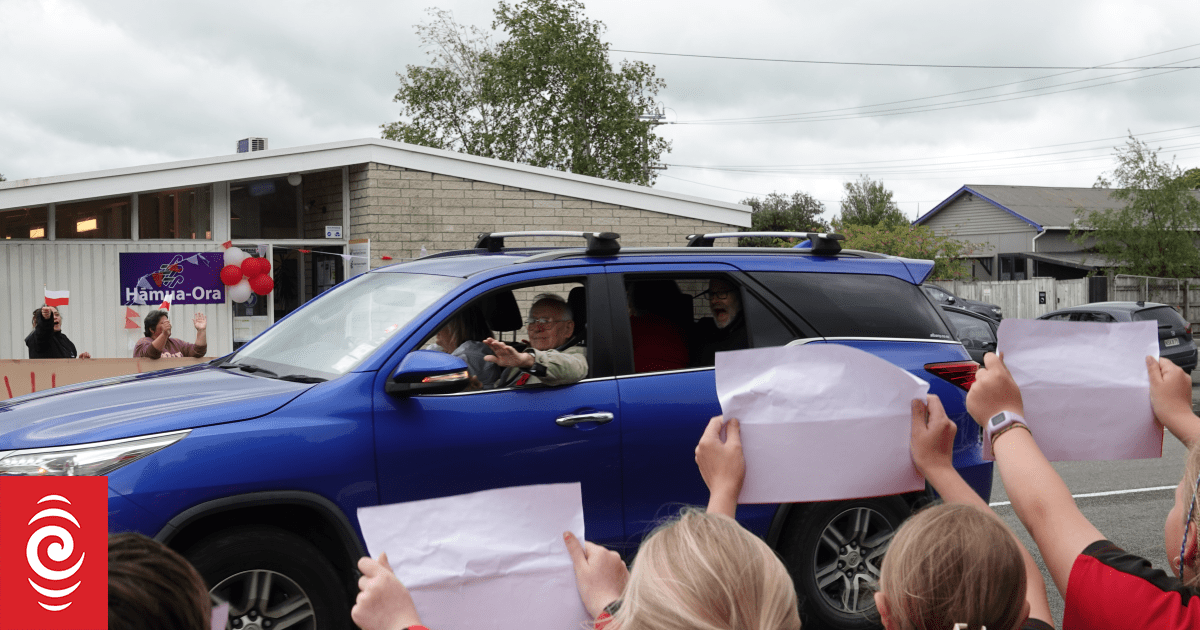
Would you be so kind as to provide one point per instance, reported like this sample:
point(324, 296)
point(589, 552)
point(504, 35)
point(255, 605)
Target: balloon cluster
point(244, 274)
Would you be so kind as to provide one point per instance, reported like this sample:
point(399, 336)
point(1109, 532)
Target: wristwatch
point(1004, 421)
point(537, 369)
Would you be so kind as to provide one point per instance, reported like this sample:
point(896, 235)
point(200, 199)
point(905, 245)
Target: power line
point(923, 98)
point(893, 165)
point(888, 65)
point(920, 168)
point(1044, 146)
point(800, 118)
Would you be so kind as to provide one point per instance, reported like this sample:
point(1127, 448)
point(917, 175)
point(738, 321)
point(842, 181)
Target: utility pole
point(658, 117)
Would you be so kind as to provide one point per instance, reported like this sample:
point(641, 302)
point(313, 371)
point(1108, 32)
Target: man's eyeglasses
point(543, 321)
point(718, 295)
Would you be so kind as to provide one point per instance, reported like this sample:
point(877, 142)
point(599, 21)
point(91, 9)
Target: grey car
point(976, 332)
point(943, 297)
point(1174, 332)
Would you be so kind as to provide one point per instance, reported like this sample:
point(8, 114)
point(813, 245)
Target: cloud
point(93, 86)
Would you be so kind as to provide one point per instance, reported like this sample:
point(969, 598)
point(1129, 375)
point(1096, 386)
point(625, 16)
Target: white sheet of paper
point(485, 560)
point(1084, 386)
point(820, 422)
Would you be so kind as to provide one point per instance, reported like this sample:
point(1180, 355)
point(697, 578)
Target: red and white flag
point(166, 305)
point(57, 298)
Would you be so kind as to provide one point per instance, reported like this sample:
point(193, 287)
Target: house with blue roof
point(1022, 232)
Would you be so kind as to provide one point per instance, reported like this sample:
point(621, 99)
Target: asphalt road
point(1134, 519)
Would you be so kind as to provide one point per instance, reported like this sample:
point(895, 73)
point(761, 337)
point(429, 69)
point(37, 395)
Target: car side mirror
point(950, 299)
point(428, 372)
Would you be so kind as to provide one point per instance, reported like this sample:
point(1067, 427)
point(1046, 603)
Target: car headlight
point(95, 459)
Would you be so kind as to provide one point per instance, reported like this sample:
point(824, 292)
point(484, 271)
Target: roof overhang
point(967, 190)
point(258, 164)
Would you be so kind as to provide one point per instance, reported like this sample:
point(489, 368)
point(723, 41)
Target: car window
point(852, 305)
point(1164, 315)
point(936, 293)
point(1061, 317)
point(504, 315)
point(1095, 317)
point(972, 331)
point(682, 322)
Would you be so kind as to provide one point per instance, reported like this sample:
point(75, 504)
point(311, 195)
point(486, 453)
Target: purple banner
point(184, 277)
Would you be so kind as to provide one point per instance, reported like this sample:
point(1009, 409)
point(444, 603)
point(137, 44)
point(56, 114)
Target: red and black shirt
point(1110, 588)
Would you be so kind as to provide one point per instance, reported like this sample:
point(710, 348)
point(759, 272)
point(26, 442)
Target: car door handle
point(599, 417)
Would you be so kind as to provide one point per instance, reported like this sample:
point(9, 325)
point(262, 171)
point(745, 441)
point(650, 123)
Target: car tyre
point(834, 552)
point(270, 574)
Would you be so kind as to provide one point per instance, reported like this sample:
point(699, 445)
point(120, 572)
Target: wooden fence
point(1028, 299)
point(1184, 294)
point(1023, 299)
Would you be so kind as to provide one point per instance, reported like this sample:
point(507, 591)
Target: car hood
point(139, 404)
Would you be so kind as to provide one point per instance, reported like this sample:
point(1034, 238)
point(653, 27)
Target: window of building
point(99, 219)
point(265, 209)
point(24, 222)
point(184, 213)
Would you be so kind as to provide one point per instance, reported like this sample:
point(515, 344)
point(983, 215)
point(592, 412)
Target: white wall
point(95, 318)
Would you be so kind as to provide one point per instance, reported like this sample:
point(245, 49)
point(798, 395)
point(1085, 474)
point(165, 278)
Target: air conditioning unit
point(246, 145)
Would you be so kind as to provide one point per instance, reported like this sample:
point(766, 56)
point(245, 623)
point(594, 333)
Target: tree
point(780, 213)
point(921, 242)
point(867, 202)
point(546, 95)
point(1154, 234)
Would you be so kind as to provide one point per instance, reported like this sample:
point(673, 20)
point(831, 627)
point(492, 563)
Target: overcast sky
point(90, 86)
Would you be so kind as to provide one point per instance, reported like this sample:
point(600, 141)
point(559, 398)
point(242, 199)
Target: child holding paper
point(956, 563)
point(1102, 585)
point(936, 552)
point(731, 577)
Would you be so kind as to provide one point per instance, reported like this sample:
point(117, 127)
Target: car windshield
point(342, 327)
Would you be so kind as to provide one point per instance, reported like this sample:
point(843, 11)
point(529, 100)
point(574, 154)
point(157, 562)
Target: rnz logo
point(61, 550)
point(54, 550)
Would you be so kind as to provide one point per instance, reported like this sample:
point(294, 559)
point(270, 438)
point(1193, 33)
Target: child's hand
point(722, 464)
point(600, 574)
point(932, 436)
point(383, 603)
point(1171, 397)
point(993, 391)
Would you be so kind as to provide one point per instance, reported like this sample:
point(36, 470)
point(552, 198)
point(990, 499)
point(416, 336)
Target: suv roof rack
point(598, 243)
point(822, 243)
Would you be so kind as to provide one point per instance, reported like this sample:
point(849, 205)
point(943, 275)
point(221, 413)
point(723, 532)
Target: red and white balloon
point(245, 275)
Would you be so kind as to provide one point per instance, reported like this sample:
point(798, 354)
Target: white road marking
point(1108, 493)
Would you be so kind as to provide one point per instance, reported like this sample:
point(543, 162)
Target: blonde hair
point(1191, 470)
point(953, 564)
point(703, 571)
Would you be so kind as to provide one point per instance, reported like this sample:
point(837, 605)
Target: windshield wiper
point(302, 378)
point(253, 369)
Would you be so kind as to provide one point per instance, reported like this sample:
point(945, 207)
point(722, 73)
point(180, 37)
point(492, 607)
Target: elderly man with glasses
point(546, 361)
point(726, 329)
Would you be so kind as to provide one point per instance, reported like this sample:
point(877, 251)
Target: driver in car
point(549, 360)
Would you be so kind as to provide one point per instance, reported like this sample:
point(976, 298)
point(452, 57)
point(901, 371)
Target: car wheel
point(834, 552)
point(272, 579)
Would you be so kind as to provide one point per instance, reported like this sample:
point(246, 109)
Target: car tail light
point(961, 373)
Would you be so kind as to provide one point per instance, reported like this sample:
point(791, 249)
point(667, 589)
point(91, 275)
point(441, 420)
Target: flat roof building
point(120, 239)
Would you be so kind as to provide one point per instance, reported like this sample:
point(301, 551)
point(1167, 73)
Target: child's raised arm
point(722, 464)
point(1040, 498)
point(1171, 396)
point(932, 453)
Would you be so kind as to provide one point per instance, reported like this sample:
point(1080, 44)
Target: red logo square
point(54, 553)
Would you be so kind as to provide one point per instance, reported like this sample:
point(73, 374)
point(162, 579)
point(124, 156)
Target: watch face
point(997, 419)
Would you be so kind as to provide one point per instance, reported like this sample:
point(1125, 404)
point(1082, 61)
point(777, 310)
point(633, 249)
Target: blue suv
point(253, 465)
